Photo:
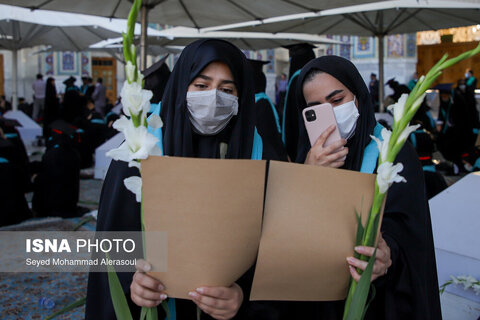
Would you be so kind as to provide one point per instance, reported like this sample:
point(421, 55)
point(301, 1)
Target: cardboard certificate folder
point(212, 212)
point(308, 231)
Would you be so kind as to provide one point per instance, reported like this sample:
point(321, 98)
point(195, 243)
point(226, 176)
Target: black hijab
point(179, 138)
point(300, 55)
point(156, 78)
point(259, 79)
point(345, 72)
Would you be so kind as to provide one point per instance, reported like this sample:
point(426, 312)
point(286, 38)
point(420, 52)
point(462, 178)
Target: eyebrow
point(204, 77)
point(333, 93)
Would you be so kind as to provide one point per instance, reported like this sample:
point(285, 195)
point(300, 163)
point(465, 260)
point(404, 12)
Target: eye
point(200, 86)
point(227, 90)
point(337, 100)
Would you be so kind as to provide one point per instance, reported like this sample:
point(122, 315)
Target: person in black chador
point(209, 74)
point(300, 54)
point(456, 138)
point(156, 78)
point(72, 105)
point(15, 182)
point(409, 290)
point(52, 111)
point(56, 186)
point(373, 88)
point(398, 89)
point(268, 121)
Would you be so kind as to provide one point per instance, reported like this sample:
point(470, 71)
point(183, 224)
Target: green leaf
point(152, 313)
point(120, 304)
point(143, 313)
point(373, 293)
point(76, 304)
point(357, 306)
point(360, 230)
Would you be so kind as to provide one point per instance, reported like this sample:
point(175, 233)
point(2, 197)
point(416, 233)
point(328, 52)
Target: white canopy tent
point(23, 28)
point(189, 13)
point(372, 19)
point(182, 36)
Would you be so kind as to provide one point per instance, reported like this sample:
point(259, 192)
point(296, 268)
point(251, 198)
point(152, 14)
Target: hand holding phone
point(327, 145)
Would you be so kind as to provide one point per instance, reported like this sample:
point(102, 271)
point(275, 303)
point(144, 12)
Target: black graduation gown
point(267, 128)
point(57, 185)
point(300, 54)
point(72, 105)
point(15, 182)
point(52, 111)
point(456, 137)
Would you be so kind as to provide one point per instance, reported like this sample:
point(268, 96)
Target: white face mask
point(467, 75)
point(210, 111)
point(346, 116)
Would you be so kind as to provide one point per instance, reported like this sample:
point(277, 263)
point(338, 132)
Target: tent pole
point(381, 87)
point(143, 38)
point(14, 79)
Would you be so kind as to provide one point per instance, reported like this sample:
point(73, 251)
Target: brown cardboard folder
point(308, 231)
point(212, 212)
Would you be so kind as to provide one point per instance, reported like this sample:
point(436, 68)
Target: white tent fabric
point(23, 28)
point(182, 36)
point(399, 16)
point(189, 13)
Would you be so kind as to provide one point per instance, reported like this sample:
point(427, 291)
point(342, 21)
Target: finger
point(215, 303)
point(337, 155)
point(143, 266)
point(337, 164)
point(336, 145)
point(357, 263)
point(148, 282)
point(139, 301)
point(215, 292)
point(379, 268)
point(146, 293)
point(366, 251)
point(324, 136)
point(354, 273)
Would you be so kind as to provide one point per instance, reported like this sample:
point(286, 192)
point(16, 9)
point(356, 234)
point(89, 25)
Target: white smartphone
point(317, 119)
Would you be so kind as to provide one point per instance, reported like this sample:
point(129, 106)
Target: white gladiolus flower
point(135, 99)
point(406, 133)
point(476, 288)
point(134, 163)
point(139, 77)
point(398, 108)
point(134, 184)
point(383, 144)
point(138, 144)
point(418, 102)
point(455, 281)
point(155, 121)
point(387, 173)
point(130, 71)
point(469, 281)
